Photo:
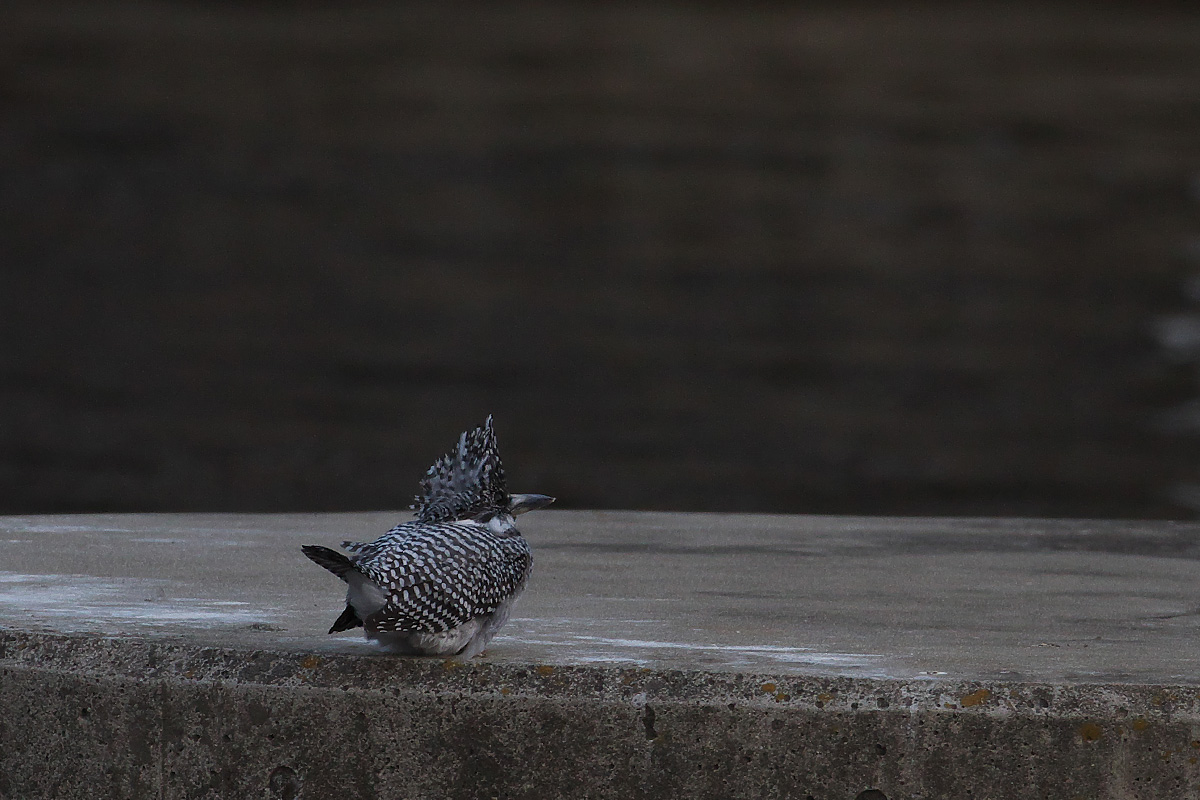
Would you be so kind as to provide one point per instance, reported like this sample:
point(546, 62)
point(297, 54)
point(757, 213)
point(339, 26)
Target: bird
point(445, 582)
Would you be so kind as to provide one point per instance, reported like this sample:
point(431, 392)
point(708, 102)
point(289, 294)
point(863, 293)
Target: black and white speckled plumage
point(466, 482)
point(443, 583)
point(441, 575)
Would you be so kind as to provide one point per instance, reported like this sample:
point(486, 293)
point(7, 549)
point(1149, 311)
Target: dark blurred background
point(837, 257)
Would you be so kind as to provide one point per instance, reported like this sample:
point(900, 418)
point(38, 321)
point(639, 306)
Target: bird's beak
point(521, 503)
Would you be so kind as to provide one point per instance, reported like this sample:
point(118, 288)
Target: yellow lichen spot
point(450, 664)
point(1140, 724)
point(768, 687)
point(950, 706)
point(310, 662)
point(1196, 743)
point(545, 669)
point(974, 698)
point(1090, 731)
point(780, 697)
point(824, 697)
point(505, 690)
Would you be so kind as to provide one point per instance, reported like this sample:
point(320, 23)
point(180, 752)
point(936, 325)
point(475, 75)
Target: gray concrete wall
point(652, 656)
point(87, 717)
point(821, 257)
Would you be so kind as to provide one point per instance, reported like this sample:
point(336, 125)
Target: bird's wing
point(465, 482)
point(423, 609)
point(443, 577)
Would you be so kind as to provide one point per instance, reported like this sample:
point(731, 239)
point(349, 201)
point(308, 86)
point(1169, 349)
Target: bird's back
point(436, 576)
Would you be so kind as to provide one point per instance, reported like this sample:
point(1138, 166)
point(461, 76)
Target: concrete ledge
point(655, 655)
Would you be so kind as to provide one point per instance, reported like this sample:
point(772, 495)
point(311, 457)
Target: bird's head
point(468, 483)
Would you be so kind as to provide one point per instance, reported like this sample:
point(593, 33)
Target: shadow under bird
point(444, 583)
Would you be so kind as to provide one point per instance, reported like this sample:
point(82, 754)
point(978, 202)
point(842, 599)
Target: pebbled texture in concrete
point(654, 655)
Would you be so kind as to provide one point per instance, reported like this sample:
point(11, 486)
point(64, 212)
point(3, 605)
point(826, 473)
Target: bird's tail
point(348, 620)
point(331, 560)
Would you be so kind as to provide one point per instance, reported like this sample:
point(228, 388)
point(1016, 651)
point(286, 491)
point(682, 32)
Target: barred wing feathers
point(439, 576)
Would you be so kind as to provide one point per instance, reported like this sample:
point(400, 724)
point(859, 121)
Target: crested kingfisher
point(444, 583)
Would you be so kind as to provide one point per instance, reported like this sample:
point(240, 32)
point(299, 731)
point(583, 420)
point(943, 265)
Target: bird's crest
point(466, 482)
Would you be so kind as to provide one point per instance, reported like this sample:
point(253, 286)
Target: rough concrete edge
point(145, 659)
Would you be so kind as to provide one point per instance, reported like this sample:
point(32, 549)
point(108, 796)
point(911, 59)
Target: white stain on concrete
point(112, 605)
point(208, 542)
point(572, 637)
point(18, 524)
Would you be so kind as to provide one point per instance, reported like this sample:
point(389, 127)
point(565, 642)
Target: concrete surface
point(654, 655)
